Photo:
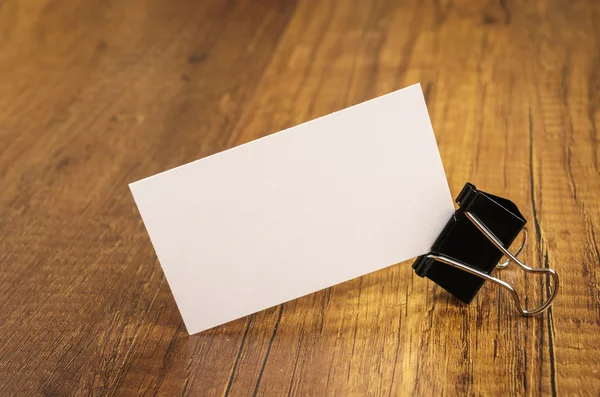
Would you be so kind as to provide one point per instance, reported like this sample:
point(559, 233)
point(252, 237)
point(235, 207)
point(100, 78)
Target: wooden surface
point(97, 94)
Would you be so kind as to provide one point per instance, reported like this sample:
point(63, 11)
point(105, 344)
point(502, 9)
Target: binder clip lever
point(471, 244)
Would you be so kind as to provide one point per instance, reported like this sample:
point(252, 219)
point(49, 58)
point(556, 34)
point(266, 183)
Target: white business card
point(298, 211)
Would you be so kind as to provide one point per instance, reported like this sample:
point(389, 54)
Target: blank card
point(298, 211)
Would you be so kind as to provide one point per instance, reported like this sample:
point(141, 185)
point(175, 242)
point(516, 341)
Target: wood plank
point(95, 95)
point(78, 272)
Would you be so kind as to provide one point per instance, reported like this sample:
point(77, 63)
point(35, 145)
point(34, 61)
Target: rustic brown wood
point(96, 94)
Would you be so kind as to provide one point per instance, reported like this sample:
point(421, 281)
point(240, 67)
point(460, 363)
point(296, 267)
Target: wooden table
point(97, 94)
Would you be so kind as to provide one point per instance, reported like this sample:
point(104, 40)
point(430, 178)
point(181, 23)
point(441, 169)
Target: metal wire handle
point(504, 265)
point(494, 240)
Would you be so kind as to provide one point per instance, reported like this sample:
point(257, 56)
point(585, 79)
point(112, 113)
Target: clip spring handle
point(504, 265)
point(494, 240)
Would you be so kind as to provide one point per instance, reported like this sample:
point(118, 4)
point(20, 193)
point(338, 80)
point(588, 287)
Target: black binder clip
point(472, 243)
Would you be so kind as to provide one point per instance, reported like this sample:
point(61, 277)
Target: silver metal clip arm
point(504, 265)
point(494, 240)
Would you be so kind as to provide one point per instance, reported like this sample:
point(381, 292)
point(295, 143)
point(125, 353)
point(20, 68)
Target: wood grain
point(97, 94)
